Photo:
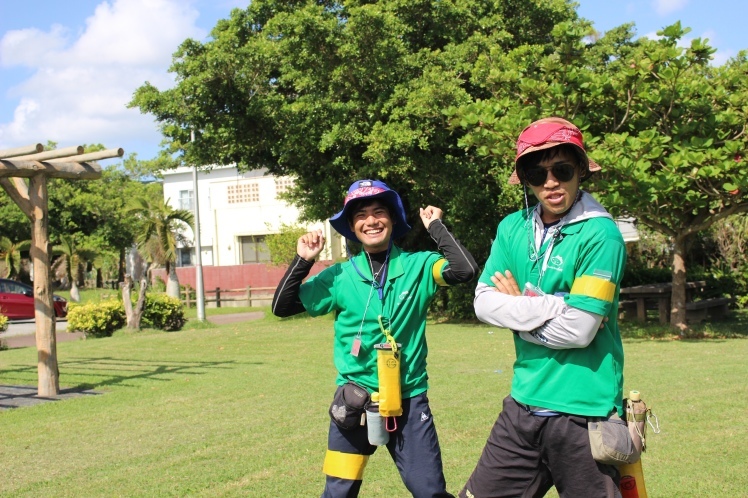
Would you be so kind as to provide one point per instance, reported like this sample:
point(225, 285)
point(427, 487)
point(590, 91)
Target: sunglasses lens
point(537, 175)
point(563, 172)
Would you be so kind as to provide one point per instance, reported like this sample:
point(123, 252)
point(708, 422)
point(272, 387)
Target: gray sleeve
point(519, 313)
point(574, 328)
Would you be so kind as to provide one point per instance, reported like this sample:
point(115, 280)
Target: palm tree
point(75, 256)
point(10, 252)
point(161, 234)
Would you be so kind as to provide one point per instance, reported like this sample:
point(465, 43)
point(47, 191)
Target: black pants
point(414, 447)
point(526, 455)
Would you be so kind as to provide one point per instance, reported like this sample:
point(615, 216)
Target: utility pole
point(198, 248)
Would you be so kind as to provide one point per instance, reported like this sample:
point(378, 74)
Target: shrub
point(158, 284)
point(3, 323)
point(96, 319)
point(163, 312)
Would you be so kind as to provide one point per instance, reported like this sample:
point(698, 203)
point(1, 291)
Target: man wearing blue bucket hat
point(380, 298)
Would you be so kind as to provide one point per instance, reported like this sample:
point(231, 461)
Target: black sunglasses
point(536, 175)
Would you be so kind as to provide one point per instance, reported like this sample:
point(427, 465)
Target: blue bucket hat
point(371, 189)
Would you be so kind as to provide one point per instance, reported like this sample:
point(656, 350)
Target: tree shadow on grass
point(108, 371)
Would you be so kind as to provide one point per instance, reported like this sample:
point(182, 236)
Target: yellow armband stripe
point(590, 286)
point(345, 465)
point(436, 271)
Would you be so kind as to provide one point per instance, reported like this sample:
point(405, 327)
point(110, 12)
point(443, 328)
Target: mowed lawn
point(241, 410)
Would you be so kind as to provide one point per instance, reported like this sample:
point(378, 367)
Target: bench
point(627, 309)
point(697, 311)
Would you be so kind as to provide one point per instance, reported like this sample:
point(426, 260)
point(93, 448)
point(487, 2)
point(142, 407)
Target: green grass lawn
point(241, 410)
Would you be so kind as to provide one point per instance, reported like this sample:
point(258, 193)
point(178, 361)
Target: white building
point(237, 211)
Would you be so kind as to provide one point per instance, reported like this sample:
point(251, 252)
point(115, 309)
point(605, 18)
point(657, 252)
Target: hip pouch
point(348, 408)
point(388, 372)
point(610, 440)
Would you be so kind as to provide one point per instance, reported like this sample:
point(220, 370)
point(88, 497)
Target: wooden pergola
point(24, 172)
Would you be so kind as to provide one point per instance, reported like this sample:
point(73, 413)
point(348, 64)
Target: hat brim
point(339, 221)
point(592, 166)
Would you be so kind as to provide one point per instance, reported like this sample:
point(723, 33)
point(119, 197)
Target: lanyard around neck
point(378, 284)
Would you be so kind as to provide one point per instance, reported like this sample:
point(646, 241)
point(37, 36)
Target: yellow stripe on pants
point(345, 465)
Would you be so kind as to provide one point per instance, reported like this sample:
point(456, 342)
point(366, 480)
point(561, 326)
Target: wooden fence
point(248, 296)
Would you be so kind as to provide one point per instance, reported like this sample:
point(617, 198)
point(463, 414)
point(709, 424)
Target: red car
point(17, 301)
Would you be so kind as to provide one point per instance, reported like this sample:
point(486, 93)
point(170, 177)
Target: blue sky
point(68, 68)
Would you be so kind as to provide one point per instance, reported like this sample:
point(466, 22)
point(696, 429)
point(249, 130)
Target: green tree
point(668, 127)
point(160, 228)
point(282, 245)
point(328, 92)
point(76, 256)
point(95, 212)
point(13, 223)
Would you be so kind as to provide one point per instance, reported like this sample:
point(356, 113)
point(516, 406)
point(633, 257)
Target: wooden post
point(218, 297)
point(44, 314)
point(29, 162)
point(249, 296)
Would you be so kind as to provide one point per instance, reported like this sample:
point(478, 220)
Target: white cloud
point(30, 47)
point(665, 7)
point(80, 86)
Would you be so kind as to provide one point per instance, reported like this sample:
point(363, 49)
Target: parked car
point(17, 301)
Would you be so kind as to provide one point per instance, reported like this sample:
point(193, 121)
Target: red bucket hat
point(546, 133)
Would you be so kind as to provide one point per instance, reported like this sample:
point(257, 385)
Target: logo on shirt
point(404, 295)
point(556, 263)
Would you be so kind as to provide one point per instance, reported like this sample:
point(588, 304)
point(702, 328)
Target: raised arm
point(462, 266)
point(286, 300)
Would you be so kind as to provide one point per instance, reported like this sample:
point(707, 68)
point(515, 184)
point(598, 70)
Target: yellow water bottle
point(388, 372)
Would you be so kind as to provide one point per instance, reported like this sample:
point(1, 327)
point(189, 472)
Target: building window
point(185, 256)
point(243, 192)
point(254, 249)
point(282, 185)
point(186, 200)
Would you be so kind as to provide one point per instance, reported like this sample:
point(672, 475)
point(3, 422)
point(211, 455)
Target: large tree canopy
point(431, 95)
point(333, 91)
point(668, 127)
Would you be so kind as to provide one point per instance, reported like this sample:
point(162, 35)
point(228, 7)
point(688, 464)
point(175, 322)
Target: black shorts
point(526, 455)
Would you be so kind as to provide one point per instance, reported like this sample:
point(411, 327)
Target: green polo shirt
point(408, 291)
point(587, 262)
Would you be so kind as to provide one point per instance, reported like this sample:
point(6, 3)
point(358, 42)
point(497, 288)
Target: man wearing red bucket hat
point(553, 278)
point(380, 298)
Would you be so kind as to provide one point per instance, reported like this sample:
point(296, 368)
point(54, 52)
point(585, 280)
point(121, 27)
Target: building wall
point(235, 276)
point(233, 205)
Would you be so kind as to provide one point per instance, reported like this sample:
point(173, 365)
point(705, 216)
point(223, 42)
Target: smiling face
point(372, 224)
point(556, 195)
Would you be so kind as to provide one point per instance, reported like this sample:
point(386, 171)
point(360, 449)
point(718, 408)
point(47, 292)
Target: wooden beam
point(92, 156)
point(52, 154)
point(53, 169)
point(20, 151)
